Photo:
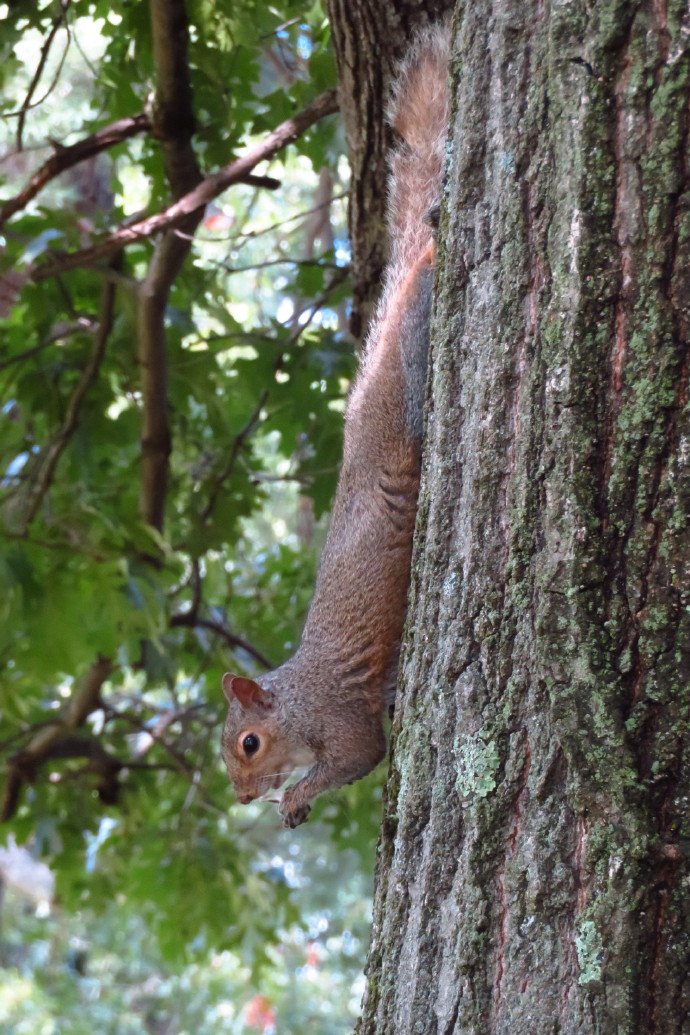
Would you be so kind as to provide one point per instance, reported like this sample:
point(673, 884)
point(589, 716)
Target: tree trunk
point(534, 874)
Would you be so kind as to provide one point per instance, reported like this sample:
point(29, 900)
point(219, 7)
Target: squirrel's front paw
point(293, 811)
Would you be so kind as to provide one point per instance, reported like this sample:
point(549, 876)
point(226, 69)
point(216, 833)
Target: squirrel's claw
point(293, 813)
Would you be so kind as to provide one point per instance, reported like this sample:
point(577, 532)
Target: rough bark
point(369, 39)
point(533, 874)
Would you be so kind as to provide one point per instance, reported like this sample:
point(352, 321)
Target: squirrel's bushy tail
point(418, 112)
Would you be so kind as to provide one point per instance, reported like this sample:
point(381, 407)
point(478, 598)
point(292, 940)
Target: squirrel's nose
point(244, 799)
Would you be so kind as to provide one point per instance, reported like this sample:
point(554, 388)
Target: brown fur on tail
point(418, 112)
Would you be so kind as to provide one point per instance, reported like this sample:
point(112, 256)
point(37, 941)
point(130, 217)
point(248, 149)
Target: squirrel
point(324, 708)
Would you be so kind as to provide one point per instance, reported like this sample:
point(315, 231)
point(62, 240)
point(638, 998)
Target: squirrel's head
point(258, 754)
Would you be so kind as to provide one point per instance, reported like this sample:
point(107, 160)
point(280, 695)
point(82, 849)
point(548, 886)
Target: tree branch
point(206, 191)
point(58, 333)
point(104, 766)
point(258, 266)
point(180, 762)
point(57, 23)
point(191, 620)
point(239, 441)
point(313, 307)
point(65, 157)
point(239, 240)
point(173, 124)
point(22, 766)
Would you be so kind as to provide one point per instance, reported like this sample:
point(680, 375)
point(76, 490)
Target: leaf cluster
point(130, 803)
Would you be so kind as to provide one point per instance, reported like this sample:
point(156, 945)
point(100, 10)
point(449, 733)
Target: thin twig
point(318, 304)
point(239, 240)
point(280, 28)
point(68, 545)
point(179, 760)
point(237, 444)
point(196, 355)
point(48, 463)
point(93, 69)
point(244, 433)
point(45, 50)
point(21, 356)
point(58, 333)
point(233, 641)
point(230, 270)
point(123, 280)
point(190, 620)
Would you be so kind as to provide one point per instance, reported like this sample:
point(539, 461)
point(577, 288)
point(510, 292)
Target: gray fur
point(414, 344)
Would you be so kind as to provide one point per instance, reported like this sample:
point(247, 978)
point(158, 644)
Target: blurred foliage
point(77, 972)
point(184, 901)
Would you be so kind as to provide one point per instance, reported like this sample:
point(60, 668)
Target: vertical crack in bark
point(660, 13)
point(656, 961)
point(669, 442)
point(515, 819)
point(624, 204)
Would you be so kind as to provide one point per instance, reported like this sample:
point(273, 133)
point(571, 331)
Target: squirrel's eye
point(251, 744)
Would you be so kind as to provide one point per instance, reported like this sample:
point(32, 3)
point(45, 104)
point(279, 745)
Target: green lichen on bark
point(477, 764)
point(589, 951)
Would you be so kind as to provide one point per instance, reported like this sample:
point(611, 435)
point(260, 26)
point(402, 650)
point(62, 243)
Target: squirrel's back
point(361, 592)
point(324, 707)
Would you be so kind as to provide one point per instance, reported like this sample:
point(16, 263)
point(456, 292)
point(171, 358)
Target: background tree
point(172, 373)
point(533, 871)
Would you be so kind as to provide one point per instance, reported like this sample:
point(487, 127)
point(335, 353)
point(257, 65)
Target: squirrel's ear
point(246, 691)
